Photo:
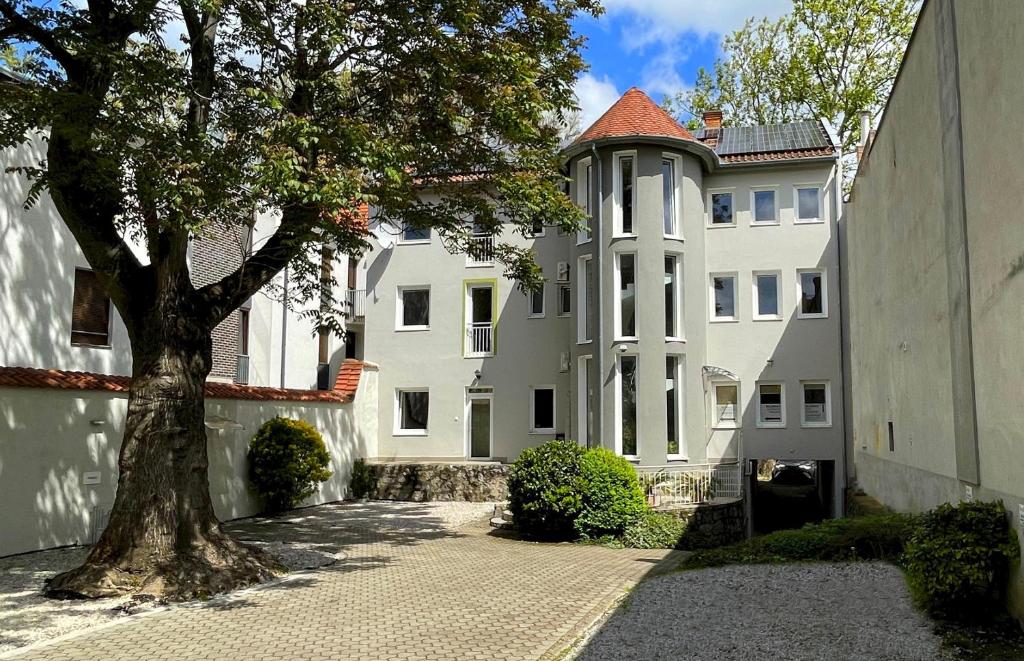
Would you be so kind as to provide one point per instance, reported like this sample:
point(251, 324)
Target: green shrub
point(876, 537)
point(363, 481)
point(654, 530)
point(958, 561)
point(544, 490)
point(287, 462)
point(611, 495)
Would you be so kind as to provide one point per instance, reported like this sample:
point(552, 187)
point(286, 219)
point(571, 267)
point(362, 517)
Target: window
point(480, 314)
point(669, 195)
point(413, 308)
point(726, 402)
point(771, 405)
point(767, 302)
point(413, 410)
point(816, 409)
point(625, 181)
point(673, 309)
point(892, 437)
point(542, 410)
point(673, 406)
point(764, 211)
point(564, 300)
point(722, 209)
point(723, 297)
point(812, 294)
point(536, 300)
point(243, 332)
point(415, 234)
point(585, 301)
point(626, 386)
point(585, 196)
point(585, 402)
point(90, 311)
point(807, 204)
point(626, 300)
point(536, 229)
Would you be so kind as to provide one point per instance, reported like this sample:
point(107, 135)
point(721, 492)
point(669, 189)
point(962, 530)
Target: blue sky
point(656, 45)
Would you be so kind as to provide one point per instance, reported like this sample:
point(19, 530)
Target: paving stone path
point(413, 582)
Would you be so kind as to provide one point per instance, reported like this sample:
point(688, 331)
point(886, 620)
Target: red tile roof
point(634, 114)
point(28, 377)
point(359, 219)
point(777, 155)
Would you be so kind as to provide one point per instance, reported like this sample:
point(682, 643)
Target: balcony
point(480, 340)
point(691, 484)
point(481, 250)
point(242, 370)
point(353, 304)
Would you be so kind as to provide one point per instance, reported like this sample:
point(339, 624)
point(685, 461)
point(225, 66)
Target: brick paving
point(409, 587)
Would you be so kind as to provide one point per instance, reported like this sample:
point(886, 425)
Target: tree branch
point(19, 25)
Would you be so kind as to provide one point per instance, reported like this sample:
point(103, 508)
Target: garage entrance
point(789, 493)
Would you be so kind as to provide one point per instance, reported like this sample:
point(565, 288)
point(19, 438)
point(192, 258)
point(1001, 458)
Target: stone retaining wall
point(423, 482)
point(711, 524)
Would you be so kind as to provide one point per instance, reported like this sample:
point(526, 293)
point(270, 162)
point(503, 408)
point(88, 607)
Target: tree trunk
point(163, 538)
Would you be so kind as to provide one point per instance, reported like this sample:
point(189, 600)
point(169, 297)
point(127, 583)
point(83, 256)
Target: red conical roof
point(634, 114)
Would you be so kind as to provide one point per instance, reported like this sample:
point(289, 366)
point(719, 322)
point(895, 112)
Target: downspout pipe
point(599, 313)
point(284, 326)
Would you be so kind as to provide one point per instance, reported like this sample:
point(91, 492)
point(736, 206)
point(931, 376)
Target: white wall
point(48, 441)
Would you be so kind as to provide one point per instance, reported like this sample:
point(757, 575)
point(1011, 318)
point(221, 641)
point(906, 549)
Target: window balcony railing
point(481, 250)
point(354, 304)
point(242, 370)
point(480, 339)
point(691, 484)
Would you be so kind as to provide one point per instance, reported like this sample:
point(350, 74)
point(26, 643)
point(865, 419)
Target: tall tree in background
point(305, 109)
point(828, 59)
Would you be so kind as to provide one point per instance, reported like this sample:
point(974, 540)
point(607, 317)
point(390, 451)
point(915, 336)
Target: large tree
point(829, 59)
point(166, 119)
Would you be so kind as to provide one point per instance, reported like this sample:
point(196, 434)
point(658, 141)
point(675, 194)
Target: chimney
point(712, 119)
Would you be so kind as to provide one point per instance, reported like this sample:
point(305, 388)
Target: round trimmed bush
point(544, 490)
point(611, 493)
point(287, 462)
point(654, 530)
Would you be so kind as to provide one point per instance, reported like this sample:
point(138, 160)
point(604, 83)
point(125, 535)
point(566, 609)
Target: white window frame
point(582, 398)
point(800, 314)
point(617, 307)
point(559, 312)
point(776, 220)
point(413, 242)
point(796, 204)
point(710, 215)
point(582, 311)
point(585, 197)
point(717, 423)
point(530, 314)
point(617, 189)
point(618, 407)
point(398, 430)
point(763, 424)
point(677, 194)
point(828, 403)
point(677, 307)
point(554, 410)
point(757, 299)
point(715, 319)
point(682, 455)
point(71, 321)
point(400, 308)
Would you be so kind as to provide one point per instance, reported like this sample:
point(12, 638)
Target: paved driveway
point(415, 581)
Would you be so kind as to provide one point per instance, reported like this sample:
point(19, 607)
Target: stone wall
point(423, 482)
point(711, 524)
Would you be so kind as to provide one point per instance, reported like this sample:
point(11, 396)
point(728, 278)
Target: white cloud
point(663, 20)
point(594, 96)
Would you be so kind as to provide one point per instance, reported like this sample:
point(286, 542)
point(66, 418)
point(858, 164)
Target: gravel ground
point(303, 539)
point(851, 612)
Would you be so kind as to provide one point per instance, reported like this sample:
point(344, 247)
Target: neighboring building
point(696, 320)
point(935, 251)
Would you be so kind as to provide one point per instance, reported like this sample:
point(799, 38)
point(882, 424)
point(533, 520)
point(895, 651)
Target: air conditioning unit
point(563, 272)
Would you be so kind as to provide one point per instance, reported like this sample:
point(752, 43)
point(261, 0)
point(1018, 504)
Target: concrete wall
point(935, 253)
point(49, 439)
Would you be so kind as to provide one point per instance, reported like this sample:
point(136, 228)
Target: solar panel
point(773, 137)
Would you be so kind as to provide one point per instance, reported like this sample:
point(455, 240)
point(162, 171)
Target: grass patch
point(998, 640)
point(874, 537)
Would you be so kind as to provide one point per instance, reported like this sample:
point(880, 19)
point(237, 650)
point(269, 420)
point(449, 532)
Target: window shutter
point(90, 312)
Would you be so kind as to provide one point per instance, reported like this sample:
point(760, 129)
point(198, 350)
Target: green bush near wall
point(544, 489)
point(287, 462)
point(958, 560)
point(611, 495)
point(362, 480)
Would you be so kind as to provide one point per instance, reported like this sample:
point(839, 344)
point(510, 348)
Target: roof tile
point(634, 113)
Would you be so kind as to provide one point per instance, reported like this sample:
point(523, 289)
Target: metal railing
point(242, 369)
point(481, 250)
point(354, 304)
point(480, 339)
point(691, 484)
